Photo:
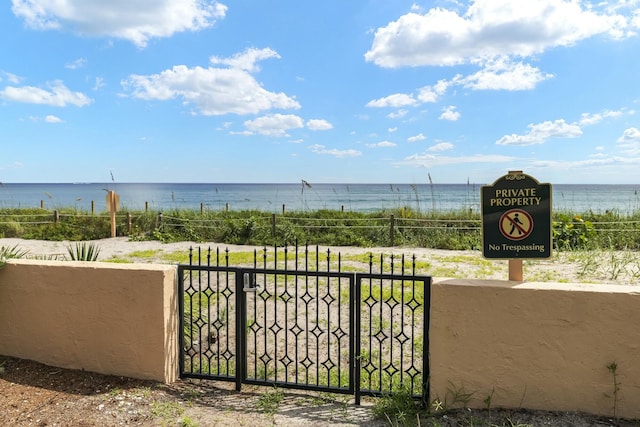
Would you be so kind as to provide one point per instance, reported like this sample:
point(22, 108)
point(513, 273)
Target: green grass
point(457, 229)
point(167, 412)
point(269, 402)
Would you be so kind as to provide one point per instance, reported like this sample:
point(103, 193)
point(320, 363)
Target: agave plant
point(7, 252)
point(84, 251)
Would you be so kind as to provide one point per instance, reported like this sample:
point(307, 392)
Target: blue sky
point(362, 91)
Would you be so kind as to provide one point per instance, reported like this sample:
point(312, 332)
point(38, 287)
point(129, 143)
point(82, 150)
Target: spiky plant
point(7, 252)
point(84, 251)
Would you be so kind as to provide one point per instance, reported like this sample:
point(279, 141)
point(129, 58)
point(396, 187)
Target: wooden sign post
point(113, 205)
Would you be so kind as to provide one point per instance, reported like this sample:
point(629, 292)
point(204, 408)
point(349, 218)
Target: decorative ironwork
point(294, 319)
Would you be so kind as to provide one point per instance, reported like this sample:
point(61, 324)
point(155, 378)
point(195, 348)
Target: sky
point(358, 91)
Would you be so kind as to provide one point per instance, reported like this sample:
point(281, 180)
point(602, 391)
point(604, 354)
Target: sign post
point(516, 220)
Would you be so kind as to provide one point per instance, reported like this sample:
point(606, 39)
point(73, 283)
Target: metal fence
point(298, 319)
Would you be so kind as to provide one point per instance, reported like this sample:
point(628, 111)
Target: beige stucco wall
point(117, 319)
point(532, 345)
point(536, 345)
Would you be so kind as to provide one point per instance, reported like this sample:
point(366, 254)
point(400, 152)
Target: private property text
point(515, 197)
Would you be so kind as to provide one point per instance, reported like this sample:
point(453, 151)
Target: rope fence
point(391, 226)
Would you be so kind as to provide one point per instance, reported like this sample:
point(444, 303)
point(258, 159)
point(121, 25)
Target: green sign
point(516, 218)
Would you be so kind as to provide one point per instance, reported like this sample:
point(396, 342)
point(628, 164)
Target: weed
point(613, 369)
point(187, 422)
point(270, 401)
point(166, 411)
point(398, 407)
point(458, 395)
point(489, 399)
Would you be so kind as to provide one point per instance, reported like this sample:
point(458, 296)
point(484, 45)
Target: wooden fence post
point(128, 223)
point(56, 217)
point(159, 220)
point(391, 230)
point(273, 225)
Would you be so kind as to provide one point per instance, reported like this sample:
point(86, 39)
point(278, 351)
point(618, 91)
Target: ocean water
point(296, 197)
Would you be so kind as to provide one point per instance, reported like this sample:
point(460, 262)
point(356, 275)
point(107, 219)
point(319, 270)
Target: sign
point(516, 218)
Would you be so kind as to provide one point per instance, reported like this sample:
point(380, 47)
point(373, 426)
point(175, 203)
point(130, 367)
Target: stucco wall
point(532, 345)
point(536, 345)
point(108, 318)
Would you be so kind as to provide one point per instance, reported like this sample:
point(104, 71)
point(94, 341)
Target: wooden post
point(41, 204)
point(159, 220)
point(113, 205)
point(227, 207)
point(92, 207)
point(283, 209)
point(146, 206)
point(515, 270)
point(128, 223)
point(391, 230)
point(273, 224)
point(56, 217)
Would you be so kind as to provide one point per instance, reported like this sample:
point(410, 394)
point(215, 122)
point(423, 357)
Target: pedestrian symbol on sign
point(516, 224)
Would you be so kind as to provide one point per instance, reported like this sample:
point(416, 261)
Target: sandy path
point(121, 246)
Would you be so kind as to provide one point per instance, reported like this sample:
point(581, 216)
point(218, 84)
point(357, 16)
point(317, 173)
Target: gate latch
point(249, 283)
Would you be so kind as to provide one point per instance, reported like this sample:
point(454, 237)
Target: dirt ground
point(32, 394)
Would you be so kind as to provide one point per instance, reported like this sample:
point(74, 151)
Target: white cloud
point(539, 133)
point(382, 144)
point(321, 149)
point(392, 130)
point(449, 113)
point(274, 125)
point(587, 119)
point(629, 142)
point(53, 119)
point(58, 95)
point(99, 83)
point(395, 100)
point(247, 60)
point(134, 20)
point(502, 74)
point(318, 124)
point(488, 29)
point(214, 91)
point(496, 74)
point(431, 160)
point(398, 114)
point(432, 93)
point(416, 138)
point(11, 166)
point(11, 78)
point(441, 146)
point(78, 63)
point(588, 163)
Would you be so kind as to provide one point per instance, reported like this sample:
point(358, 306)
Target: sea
point(304, 196)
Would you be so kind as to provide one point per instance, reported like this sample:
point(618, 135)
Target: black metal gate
point(300, 321)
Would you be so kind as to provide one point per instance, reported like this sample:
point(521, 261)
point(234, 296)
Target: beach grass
point(455, 230)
